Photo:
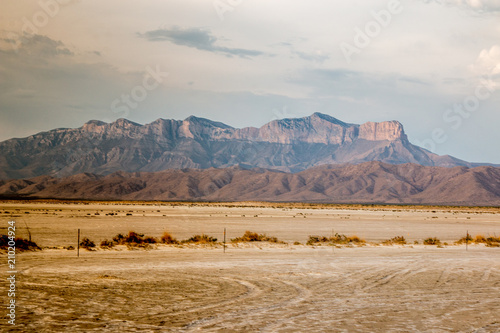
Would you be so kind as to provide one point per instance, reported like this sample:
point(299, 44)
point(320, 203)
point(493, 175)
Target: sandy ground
point(255, 288)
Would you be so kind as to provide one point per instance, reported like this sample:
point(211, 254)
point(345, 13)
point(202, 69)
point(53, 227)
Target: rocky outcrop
point(286, 144)
point(388, 130)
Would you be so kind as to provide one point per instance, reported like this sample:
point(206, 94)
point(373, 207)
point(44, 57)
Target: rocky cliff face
point(287, 144)
point(388, 130)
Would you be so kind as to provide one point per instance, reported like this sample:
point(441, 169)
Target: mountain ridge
point(291, 144)
point(370, 182)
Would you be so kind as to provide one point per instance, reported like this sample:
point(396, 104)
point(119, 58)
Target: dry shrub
point(133, 237)
point(467, 239)
point(489, 241)
point(21, 244)
point(149, 240)
point(395, 240)
point(167, 238)
point(480, 239)
point(87, 244)
point(432, 241)
point(200, 239)
point(336, 239)
point(118, 239)
point(249, 236)
point(106, 244)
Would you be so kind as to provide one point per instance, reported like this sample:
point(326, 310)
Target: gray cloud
point(197, 38)
point(311, 56)
point(35, 45)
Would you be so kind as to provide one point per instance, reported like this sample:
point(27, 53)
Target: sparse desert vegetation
point(398, 240)
point(250, 236)
point(200, 239)
point(167, 238)
point(337, 239)
point(432, 241)
point(289, 285)
point(87, 244)
point(21, 244)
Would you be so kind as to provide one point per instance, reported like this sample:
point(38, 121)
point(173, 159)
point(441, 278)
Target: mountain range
point(370, 182)
point(290, 145)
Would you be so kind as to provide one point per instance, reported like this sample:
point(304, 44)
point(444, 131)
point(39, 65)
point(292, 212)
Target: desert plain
point(259, 286)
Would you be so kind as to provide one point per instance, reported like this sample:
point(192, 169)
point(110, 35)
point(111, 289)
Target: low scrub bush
point(149, 240)
point(336, 239)
point(432, 241)
point(87, 244)
point(167, 238)
point(21, 244)
point(489, 241)
point(106, 244)
point(480, 239)
point(249, 236)
point(463, 240)
point(200, 239)
point(395, 240)
point(134, 238)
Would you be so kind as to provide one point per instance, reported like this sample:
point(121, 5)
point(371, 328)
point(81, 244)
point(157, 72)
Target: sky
point(433, 65)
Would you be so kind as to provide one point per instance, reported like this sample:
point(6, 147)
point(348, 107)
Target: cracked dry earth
point(296, 288)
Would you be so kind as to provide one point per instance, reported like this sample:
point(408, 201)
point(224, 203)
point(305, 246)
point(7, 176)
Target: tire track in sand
point(302, 294)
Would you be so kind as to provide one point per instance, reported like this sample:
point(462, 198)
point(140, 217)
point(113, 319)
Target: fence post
point(78, 245)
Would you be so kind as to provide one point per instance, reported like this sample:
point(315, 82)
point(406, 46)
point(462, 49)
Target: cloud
point(487, 66)
point(35, 45)
point(197, 38)
point(43, 86)
point(315, 57)
point(488, 62)
point(341, 82)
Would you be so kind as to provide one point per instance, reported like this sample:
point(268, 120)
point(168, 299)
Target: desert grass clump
point(200, 239)
point(21, 244)
point(493, 241)
point(489, 241)
point(480, 239)
point(399, 240)
point(432, 241)
point(87, 244)
point(118, 239)
point(335, 240)
point(167, 238)
point(133, 237)
point(149, 240)
point(249, 236)
point(106, 244)
point(467, 239)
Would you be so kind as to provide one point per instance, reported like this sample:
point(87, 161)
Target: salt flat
point(257, 287)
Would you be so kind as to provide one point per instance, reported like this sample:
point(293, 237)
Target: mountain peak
point(328, 118)
point(205, 122)
point(96, 123)
point(122, 122)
